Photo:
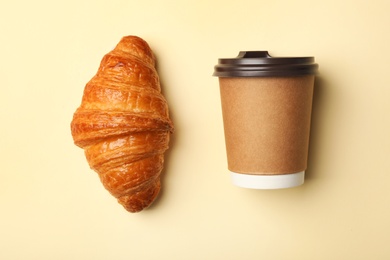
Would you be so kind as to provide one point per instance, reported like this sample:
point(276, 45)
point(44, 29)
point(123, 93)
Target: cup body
point(267, 127)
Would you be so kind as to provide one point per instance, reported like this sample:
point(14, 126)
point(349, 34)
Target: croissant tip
point(142, 199)
point(138, 46)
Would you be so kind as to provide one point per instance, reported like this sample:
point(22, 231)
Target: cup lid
point(261, 64)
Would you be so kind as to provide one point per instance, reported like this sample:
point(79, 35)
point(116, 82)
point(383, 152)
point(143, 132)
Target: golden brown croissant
point(123, 124)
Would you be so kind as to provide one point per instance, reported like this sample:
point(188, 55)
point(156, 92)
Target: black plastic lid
point(261, 64)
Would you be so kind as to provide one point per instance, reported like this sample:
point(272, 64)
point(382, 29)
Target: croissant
point(123, 124)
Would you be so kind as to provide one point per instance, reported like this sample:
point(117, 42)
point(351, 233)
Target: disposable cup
point(266, 109)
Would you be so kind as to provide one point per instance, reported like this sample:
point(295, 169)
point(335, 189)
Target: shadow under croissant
point(168, 153)
point(165, 172)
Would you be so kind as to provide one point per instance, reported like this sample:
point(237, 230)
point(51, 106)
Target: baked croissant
point(123, 124)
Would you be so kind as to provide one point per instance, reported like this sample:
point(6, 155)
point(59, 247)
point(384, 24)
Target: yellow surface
point(54, 207)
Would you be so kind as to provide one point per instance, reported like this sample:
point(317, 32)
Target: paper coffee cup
point(266, 107)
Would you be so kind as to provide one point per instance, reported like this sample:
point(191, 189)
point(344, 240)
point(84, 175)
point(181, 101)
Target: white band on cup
point(265, 182)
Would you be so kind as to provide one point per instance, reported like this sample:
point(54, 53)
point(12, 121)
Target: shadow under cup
point(266, 107)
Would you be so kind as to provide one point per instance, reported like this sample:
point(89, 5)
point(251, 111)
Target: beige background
point(54, 207)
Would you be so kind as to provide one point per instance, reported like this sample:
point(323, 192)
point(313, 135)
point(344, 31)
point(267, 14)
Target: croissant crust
point(123, 124)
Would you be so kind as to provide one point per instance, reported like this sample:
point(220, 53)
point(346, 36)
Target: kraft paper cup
point(266, 108)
